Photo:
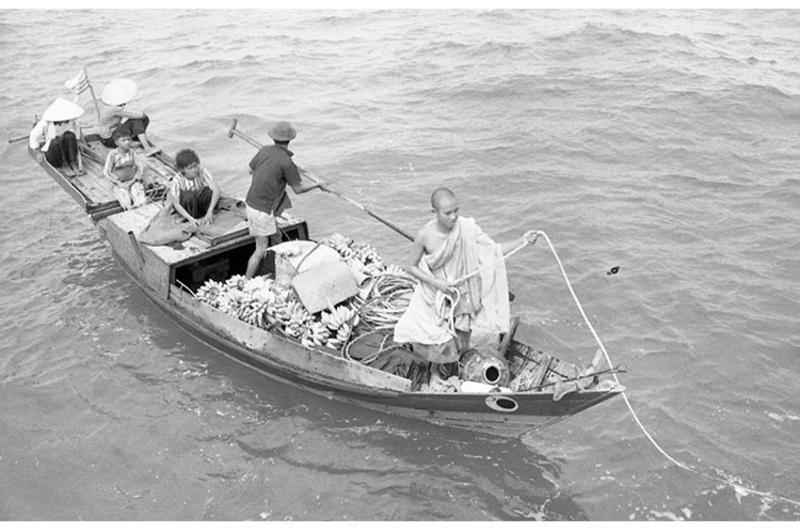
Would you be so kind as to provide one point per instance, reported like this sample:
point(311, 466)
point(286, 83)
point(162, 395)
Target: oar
point(618, 370)
point(249, 139)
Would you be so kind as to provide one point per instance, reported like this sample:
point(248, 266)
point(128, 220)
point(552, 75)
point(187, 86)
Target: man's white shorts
point(260, 223)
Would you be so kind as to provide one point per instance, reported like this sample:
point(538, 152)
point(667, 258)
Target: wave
point(698, 182)
point(218, 81)
point(598, 34)
point(754, 60)
point(757, 90)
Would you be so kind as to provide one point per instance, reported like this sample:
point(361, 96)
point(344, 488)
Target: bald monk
point(445, 250)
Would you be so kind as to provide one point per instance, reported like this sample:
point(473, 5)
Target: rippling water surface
point(665, 143)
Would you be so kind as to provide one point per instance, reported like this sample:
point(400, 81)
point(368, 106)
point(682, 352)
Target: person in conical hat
point(114, 114)
point(272, 169)
point(54, 136)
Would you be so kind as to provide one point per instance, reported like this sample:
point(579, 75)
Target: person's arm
point(36, 135)
point(251, 166)
point(77, 131)
point(108, 168)
point(137, 177)
point(412, 266)
point(127, 113)
point(527, 237)
point(208, 218)
point(292, 175)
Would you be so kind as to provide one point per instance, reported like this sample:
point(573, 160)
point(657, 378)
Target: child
point(124, 169)
point(193, 192)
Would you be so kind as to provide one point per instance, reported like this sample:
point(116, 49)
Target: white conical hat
point(62, 110)
point(119, 91)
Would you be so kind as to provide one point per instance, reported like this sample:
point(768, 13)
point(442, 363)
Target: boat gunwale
point(587, 395)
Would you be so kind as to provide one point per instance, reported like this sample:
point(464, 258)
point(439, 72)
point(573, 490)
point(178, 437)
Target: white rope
point(687, 467)
point(444, 299)
point(495, 262)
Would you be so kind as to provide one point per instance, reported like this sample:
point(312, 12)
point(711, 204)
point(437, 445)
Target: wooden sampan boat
point(168, 277)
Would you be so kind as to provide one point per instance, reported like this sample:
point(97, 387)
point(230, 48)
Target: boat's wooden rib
point(166, 273)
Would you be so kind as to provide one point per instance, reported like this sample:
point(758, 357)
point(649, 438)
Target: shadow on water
point(486, 477)
point(506, 478)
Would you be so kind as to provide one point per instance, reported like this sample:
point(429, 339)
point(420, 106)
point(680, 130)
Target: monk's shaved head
point(439, 195)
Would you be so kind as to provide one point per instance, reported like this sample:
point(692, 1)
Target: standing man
point(272, 169)
point(446, 249)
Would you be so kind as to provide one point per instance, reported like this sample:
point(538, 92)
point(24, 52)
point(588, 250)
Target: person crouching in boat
point(114, 115)
point(54, 136)
point(193, 192)
point(272, 169)
point(446, 312)
point(124, 169)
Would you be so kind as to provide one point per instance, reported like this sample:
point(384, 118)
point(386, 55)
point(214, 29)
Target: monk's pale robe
point(482, 307)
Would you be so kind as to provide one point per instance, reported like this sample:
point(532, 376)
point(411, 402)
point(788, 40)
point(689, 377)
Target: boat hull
point(504, 415)
point(159, 272)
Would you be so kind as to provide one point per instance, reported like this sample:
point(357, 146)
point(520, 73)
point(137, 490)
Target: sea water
point(664, 143)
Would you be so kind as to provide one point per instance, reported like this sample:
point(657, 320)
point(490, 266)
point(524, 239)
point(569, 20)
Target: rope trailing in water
point(730, 482)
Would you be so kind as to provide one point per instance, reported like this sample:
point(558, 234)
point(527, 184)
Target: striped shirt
point(180, 183)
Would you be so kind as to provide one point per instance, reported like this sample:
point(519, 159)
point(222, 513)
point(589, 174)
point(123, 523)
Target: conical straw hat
point(119, 91)
point(62, 110)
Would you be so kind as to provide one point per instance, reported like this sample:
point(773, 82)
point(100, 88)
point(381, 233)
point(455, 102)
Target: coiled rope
point(446, 303)
point(728, 481)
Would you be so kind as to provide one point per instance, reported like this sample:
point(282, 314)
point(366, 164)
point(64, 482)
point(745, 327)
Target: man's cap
point(282, 131)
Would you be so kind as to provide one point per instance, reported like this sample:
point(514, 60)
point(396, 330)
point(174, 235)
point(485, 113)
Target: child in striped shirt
point(193, 192)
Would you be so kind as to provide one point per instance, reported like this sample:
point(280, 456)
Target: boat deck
point(136, 219)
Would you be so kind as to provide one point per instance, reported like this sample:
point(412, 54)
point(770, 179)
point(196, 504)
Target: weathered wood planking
point(136, 219)
point(94, 184)
point(141, 259)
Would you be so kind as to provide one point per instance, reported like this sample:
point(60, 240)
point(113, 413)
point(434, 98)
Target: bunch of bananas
point(394, 270)
point(261, 302)
point(339, 243)
point(209, 292)
point(288, 312)
point(367, 254)
point(254, 311)
point(342, 336)
point(230, 301)
point(336, 317)
point(340, 320)
point(261, 287)
point(298, 320)
point(315, 334)
point(359, 256)
point(236, 282)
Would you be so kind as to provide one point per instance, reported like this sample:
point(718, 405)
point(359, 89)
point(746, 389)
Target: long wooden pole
point(233, 131)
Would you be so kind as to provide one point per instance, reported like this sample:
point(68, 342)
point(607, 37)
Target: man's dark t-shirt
point(272, 168)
